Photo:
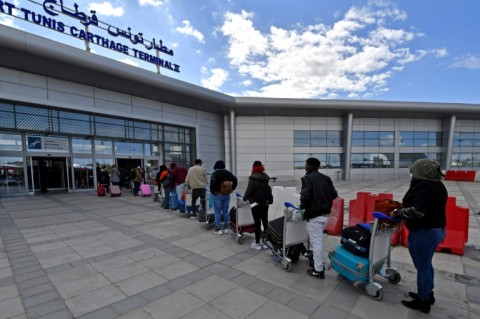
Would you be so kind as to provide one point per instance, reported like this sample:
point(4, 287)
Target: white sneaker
point(264, 246)
point(256, 246)
point(225, 231)
point(218, 232)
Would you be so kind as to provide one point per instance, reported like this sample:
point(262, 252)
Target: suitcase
point(115, 191)
point(173, 201)
point(145, 190)
point(356, 239)
point(275, 231)
point(350, 266)
point(100, 190)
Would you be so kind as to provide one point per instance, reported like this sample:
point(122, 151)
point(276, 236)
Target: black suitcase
point(356, 239)
point(275, 231)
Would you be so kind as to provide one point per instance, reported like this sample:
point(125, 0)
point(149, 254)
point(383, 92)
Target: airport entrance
point(47, 174)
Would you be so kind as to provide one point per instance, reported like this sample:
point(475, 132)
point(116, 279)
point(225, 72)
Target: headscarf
point(258, 167)
point(426, 169)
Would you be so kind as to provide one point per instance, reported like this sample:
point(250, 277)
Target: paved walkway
point(82, 256)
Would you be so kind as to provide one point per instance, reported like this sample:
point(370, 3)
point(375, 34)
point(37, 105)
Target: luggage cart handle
point(239, 195)
point(290, 205)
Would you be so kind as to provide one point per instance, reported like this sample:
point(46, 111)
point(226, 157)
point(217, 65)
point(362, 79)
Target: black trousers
point(196, 193)
point(260, 216)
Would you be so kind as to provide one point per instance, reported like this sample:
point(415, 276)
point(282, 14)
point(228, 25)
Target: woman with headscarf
point(425, 214)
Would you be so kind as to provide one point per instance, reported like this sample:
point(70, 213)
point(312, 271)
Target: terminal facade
point(65, 113)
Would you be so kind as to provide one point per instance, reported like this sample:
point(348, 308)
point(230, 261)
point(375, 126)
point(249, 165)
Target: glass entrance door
point(48, 174)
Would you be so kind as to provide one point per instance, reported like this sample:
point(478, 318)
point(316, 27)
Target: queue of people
point(424, 209)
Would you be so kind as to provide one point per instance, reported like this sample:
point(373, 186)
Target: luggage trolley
point(378, 262)
point(242, 220)
point(285, 232)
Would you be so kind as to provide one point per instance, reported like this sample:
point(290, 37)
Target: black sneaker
point(316, 274)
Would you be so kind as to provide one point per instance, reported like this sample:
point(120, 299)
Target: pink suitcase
point(145, 190)
point(115, 191)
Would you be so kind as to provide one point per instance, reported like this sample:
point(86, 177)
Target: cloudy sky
point(424, 50)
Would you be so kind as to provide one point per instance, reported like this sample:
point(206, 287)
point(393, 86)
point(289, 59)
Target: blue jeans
point(421, 245)
point(167, 195)
point(221, 205)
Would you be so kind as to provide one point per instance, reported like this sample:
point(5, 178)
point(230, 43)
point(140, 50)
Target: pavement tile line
point(38, 295)
point(303, 299)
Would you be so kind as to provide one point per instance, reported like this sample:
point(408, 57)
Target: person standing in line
point(153, 176)
point(115, 175)
point(137, 180)
point(259, 194)
point(163, 177)
point(424, 209)
point(316, 198)
point(177, 178)
point(222, 184)
point(197, 180)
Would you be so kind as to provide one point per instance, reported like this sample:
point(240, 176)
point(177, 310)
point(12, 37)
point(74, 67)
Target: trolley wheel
point(239, 240)
point(377, 295)
point(288, 267)
point(356, 283)
point(394, 278)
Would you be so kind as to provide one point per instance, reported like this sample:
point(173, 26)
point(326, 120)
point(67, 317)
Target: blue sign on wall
point(34, 143)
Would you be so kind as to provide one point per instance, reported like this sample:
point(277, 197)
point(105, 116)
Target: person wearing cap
point(257, 182)
point(197, 180)
point(222, 184)
point(426, 200)
point(316, 199)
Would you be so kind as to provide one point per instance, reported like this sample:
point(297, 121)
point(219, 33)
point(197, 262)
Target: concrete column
point(448, 152)
point(347, 139)
point(233, 146)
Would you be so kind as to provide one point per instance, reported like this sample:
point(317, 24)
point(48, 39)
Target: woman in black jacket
point(258, 187)
point(426, 197)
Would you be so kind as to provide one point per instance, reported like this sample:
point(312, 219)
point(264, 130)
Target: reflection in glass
point(83, 172)
point(10, 142)
point(128, 148)
point(81, 145)
point(103, 147)
point(12, 177)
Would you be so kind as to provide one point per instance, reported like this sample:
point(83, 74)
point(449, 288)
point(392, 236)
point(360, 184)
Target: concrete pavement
point(82, 256)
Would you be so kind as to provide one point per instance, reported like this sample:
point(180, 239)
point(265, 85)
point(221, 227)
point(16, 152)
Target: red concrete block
point(335, 222)
point(357, 209)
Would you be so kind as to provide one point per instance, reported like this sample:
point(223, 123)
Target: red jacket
point(178, 175)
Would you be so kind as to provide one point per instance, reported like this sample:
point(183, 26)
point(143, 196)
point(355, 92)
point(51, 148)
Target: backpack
point(226, 187)
point(263, 194)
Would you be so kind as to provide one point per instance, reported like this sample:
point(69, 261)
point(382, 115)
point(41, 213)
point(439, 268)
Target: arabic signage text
point(51, 7)
point(50, 144)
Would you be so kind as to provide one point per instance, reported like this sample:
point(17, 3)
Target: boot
point(431, 297)
point(417, 304)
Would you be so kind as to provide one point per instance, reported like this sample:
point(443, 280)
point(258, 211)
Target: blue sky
point(425, 50)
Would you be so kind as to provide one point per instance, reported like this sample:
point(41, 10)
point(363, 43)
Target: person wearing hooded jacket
point(425, 201)
point(256, 180)
point(221, 202)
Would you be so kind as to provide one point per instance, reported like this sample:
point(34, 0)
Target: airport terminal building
point(65, 112)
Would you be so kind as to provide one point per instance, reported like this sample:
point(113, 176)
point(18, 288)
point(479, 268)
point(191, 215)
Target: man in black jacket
point(316, 198)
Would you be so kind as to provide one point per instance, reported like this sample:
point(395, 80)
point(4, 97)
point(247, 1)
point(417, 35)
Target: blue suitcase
point(350, 266)
point(173, 201)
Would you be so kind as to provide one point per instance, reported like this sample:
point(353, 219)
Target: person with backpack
point(163, 178)
point(222, 184)
point(259, 194)
point(316, 198)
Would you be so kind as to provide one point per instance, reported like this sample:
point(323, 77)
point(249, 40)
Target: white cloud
point(469, 61)
point(187, 29)
point(217, 78)
point(8, 21)
point(106, 9)
point(355, 56)
point(155, 3)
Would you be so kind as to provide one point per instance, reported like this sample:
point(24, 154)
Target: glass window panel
point(103, 147)
point(386, 139)
point(476, 160)
point(318, 142)
point(301, 142)
point(318, 134)
point(357, 134)
point(420, 135)
point(466, 142)
point(81, 145)
point(357, 142)
point(299, 157)
point(7, 120)
point(420, 142)
point(10, 142)
point(128, 148)
point(83, 173)
point(12, 176)
point(301, 134)
point(334, 161)
point(371, 142)
point(29, 122)
point(372, 135)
